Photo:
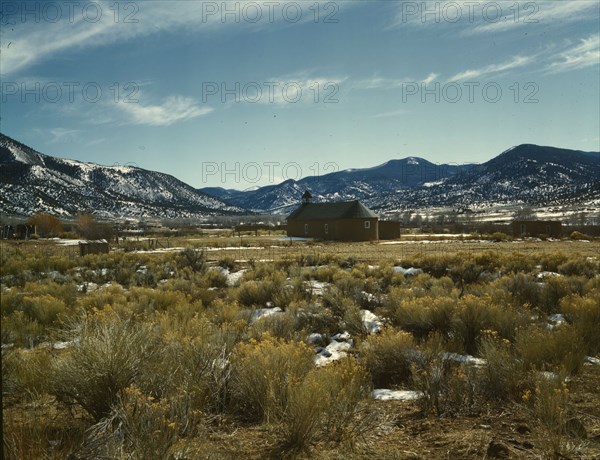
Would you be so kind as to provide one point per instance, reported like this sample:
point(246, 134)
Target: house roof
point(341, 210)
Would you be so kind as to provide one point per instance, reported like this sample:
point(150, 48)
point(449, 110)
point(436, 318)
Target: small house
point(548, 228)
point(93, 247)
point(341, 221)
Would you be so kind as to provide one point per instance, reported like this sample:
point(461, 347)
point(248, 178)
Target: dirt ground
point(508, 432)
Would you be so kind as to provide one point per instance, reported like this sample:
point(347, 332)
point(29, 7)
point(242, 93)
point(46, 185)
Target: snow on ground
point(371, 322)
point(591, 361)
point(368, 297)
point(158, 251)
point(315, 337)
point(88, 287)
point(66, 241)
point(233, 278)
point(465, 359)
point(233, 248)
point(316, 287)
point(555, 321)
point(335, 351)
point(396, 395)
point(412, 271)
point(293, 238)
point(544, 275)
point(438, 241)
point(264, 312)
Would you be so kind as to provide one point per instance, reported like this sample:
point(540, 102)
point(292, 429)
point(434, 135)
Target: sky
point(239, 94)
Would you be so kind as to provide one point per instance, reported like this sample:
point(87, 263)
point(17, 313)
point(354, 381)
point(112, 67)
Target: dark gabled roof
point(341, 210)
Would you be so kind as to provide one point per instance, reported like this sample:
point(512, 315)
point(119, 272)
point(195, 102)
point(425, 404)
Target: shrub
point(575, 235)
point(313, 317)
point(46, 224)
point(504, 376)
point(584, 313)
point(224, 311)
point(106, 356)
point(445, 385)
point(140, 427)
point(500, 236)
point(424, 315)
point(25, 374)
point(473, 315)
point(387, 357)
point(282, 325)
point(585, 268)
point(555, 288)
point(551, 262)
point(193, 258)
point(262, 374)
point(550, 408)
point(349, 286)
point(258, 293)
point(20, 329)
point(327, 404)
point(541, 349)
point(466, 272)
point(215, 278)
point(146, 301)
point(524, 289)
point(518, 262)
point(227, 262)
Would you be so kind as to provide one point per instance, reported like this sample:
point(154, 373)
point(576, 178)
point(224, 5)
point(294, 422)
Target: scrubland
point(324, 350)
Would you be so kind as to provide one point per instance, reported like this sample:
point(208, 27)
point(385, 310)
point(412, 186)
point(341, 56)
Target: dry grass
point(167, 361)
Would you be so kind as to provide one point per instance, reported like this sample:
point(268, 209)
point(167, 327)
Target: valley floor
point(216, 346)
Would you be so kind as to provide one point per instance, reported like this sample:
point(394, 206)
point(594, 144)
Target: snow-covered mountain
point(528, 175)
point(364, 184)
point(524, 175)
point(33, 182)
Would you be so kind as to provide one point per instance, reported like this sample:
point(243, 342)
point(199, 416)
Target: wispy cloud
point(94, 142)
point(585, 54)
point(473, 18)
point(377, 82)
point(301, 87)
point(172, 110)
point(493, 69)
point(430, 78)
point(393, 113)
point(33, 42)
point(57, 134)
point(542, 13)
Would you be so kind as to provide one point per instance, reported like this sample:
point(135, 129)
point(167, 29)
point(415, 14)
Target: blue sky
point(239, 94)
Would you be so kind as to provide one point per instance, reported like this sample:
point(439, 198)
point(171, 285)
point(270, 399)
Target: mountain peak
point(33, 182)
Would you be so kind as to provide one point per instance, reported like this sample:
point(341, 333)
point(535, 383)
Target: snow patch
point(371, 322)
point(412, 271)
point(264, 312)
point(384, 394)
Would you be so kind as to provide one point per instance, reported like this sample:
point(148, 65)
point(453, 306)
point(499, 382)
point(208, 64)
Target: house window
point(306, 229)
point(367, 224)
point(326, 229)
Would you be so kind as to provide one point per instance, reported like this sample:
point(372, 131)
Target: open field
point(213, 346)
point(277, 246)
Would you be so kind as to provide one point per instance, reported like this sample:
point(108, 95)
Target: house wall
point(93, 248)
point(536, 228)
point(338, 229)
point(389, 230)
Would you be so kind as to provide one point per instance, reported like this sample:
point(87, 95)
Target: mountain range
point(33, 182)
point(525, 175)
